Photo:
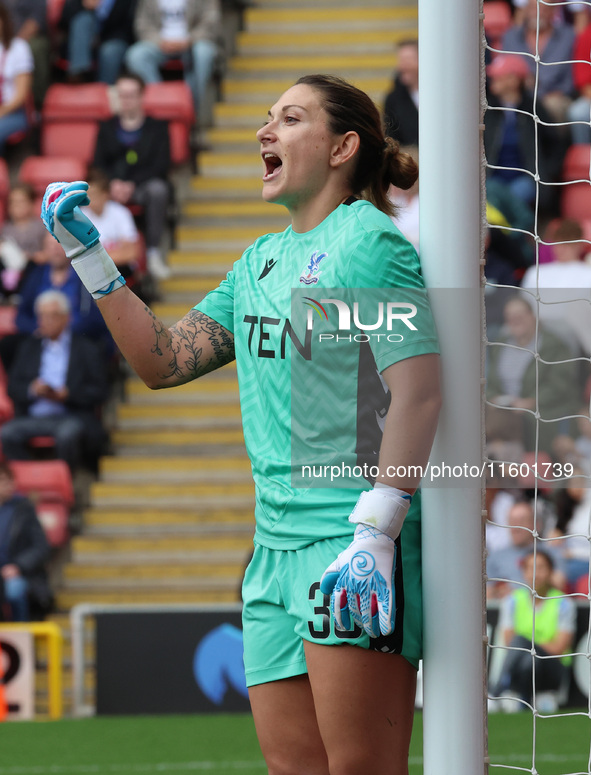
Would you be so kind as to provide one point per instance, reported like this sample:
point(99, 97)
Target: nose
point(266, 132)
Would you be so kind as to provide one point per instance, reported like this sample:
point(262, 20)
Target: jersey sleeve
point(567, 616)
point(384, 267)
point(218, 304)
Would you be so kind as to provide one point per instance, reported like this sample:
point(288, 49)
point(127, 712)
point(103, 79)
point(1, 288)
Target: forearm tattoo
point(192, 347)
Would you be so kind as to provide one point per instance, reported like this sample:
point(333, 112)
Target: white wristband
point(98, 272)
point(383, 508)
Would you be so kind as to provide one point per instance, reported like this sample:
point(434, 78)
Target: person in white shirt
point(115, 223)
point(564, 287)
point(177, 29)
point(16, 80)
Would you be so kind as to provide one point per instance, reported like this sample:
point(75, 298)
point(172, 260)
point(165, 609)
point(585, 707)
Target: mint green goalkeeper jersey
point(316, 317)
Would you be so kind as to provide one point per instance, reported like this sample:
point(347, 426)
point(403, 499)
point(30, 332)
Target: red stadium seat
point(54, 12)
point(7, 323)
point(71, 138)
point(172, 101)
point(4, 189)
point(49, 485)
point(76, 102)
point(575, 201)
point(39, 171)
point(6, 406)
point(497, 20)
point(577, 162)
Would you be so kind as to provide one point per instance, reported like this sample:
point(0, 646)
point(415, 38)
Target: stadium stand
point(577, 162)
point(4, 189)
point(49, 485)
point(39, 171)
point(497, 20)
point(575, 202)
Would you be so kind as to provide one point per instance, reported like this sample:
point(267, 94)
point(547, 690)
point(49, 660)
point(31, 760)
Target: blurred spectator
point(407, 204)
point(177, 29)
point(401, 108)
point(519, 384)
point(553, 41)
point(133, 151)
point(512, 137)
point(16, 78)
point(577, 451)
point(29, 22)
point(506, 563)
point(58, 385)
point(24, 552)
point(580, 109)
point(573, 526)
point(574, 13)
point(115, 223)
point(552, 630)
point(501, 494)
point(57, 274)
point(517, 214)
point(564, 286)
point(22, 238)
point(505, 262)
point(97, 28)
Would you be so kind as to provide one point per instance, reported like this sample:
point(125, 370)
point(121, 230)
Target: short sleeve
point(21, 57)
point(385, 279)
point(507, 613)
point(128, 228)
point(384, 258)
point(567, 616)
point(218, 304)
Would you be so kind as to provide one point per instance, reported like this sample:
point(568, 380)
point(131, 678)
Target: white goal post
point(451, 205)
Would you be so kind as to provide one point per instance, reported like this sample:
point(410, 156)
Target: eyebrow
point(287, 107)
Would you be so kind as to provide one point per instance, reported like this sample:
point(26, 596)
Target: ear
point(344, 150)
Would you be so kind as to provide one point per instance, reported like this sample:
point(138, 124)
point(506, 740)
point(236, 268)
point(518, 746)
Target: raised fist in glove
point(79, 237)
point(61, 214)
point(361, 583)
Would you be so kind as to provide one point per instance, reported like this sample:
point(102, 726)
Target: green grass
point(185, 745)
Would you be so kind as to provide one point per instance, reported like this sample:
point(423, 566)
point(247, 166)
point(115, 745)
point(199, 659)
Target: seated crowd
point(58, 362)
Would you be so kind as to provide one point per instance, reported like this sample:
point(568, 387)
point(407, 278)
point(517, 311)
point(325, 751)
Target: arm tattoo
point(194, 346)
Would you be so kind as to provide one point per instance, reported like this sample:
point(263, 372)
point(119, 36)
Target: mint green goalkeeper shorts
point(283, 607)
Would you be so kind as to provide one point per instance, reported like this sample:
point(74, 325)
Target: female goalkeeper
point(338, 372)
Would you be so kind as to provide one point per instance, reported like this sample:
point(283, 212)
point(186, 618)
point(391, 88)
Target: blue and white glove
point(79, 237)
point(361, 579)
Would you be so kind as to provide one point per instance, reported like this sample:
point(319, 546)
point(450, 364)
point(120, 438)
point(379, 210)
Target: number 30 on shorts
point(323, 615)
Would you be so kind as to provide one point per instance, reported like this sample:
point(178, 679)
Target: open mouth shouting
point(273, 165)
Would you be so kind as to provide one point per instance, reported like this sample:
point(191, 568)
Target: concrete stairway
point(171, 516)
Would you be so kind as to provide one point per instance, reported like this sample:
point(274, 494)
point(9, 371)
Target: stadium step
point(199, 390)
point(172, 469)
point(67, 599)
point(323, 18)
point(239, 90)
point(228, 239)
point(328, 41)
point(194, 518)
point(213, 188)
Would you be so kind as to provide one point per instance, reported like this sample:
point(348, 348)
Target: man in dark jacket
point(57, 383)
point(133, 150)
point(401, 109)
point(24, 552)
point(512, 138)
point(102, 25)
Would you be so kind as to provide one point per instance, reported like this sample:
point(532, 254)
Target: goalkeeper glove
point(79, 237)
point(361, 579)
